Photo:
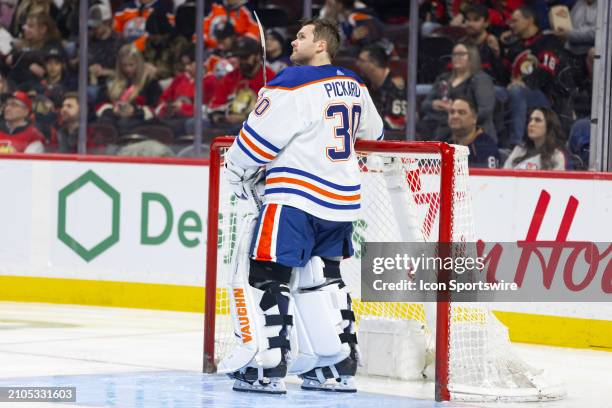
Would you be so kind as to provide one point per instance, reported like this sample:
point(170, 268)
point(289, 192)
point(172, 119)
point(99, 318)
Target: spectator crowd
point(510, 79)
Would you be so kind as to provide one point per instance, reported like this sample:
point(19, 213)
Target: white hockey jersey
point(303, 129)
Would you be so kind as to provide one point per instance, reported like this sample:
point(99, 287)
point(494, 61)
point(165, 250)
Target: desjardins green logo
point(69, 240)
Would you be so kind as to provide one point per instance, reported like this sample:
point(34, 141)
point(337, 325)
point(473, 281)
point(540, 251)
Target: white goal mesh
point(475, 360)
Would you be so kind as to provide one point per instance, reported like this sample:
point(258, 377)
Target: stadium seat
point(161, 133)
point(100, 136)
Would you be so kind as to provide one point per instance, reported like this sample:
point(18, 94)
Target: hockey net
point(473, 354)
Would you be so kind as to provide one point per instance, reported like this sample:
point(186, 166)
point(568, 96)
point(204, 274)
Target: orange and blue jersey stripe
point(287, 180)
point(256, 147)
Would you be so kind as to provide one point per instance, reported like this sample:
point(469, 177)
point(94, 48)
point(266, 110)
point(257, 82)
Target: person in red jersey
point(17, 133)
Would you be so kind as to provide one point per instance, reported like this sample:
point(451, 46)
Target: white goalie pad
point(248, 317)
point(308, 276)
point(318, 323)
point(241, 305)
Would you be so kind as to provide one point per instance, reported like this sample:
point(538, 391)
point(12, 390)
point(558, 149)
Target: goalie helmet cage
point(473, 353)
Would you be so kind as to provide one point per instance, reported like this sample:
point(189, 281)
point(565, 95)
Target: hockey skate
point(329, 378)
point(320, 383)
point(265, 385)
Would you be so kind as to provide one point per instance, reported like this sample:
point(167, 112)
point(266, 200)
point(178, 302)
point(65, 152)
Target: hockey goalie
point(290, 306)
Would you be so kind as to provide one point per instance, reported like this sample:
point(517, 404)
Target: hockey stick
point(254, 196)
point(262, 38)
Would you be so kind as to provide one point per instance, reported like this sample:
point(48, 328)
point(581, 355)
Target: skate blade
point(274, 388)
point(314, 385)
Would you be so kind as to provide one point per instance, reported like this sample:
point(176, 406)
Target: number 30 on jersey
point(346, 125)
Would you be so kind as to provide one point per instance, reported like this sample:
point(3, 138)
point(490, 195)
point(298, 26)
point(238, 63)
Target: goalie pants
point(290, 237)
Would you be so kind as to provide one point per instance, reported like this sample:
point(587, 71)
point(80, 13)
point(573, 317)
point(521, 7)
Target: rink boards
point(131, 233)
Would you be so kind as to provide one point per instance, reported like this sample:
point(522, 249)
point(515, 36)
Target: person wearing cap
point(56, 81)
point(226, 37)
point(17, 134)
point(237, 90)
point(218, 61)
point(103, 45)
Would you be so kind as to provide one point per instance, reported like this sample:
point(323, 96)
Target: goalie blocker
point(322, 344)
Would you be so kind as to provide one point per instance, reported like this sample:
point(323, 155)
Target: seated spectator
point(68, 129)
point(237, 14)
point(277, 55)
point(236, 92)
point(177, 99)
point(580, 140)
point(17, 133)
point(25, 8)
point(176, 104)
point(48, 94)
point(217, 61)
point(56, 81)
point(584, 23)
point(129, 97)
point(542, 146)
point(388, 92)
point(462, 117)
point(466, 79)
point(26, 61)
point(225, 36)
point(103, 45)
point(132, 16)
point(540, 74)
point(476, 25)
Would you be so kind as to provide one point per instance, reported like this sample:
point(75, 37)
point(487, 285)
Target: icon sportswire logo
point(63, 216)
